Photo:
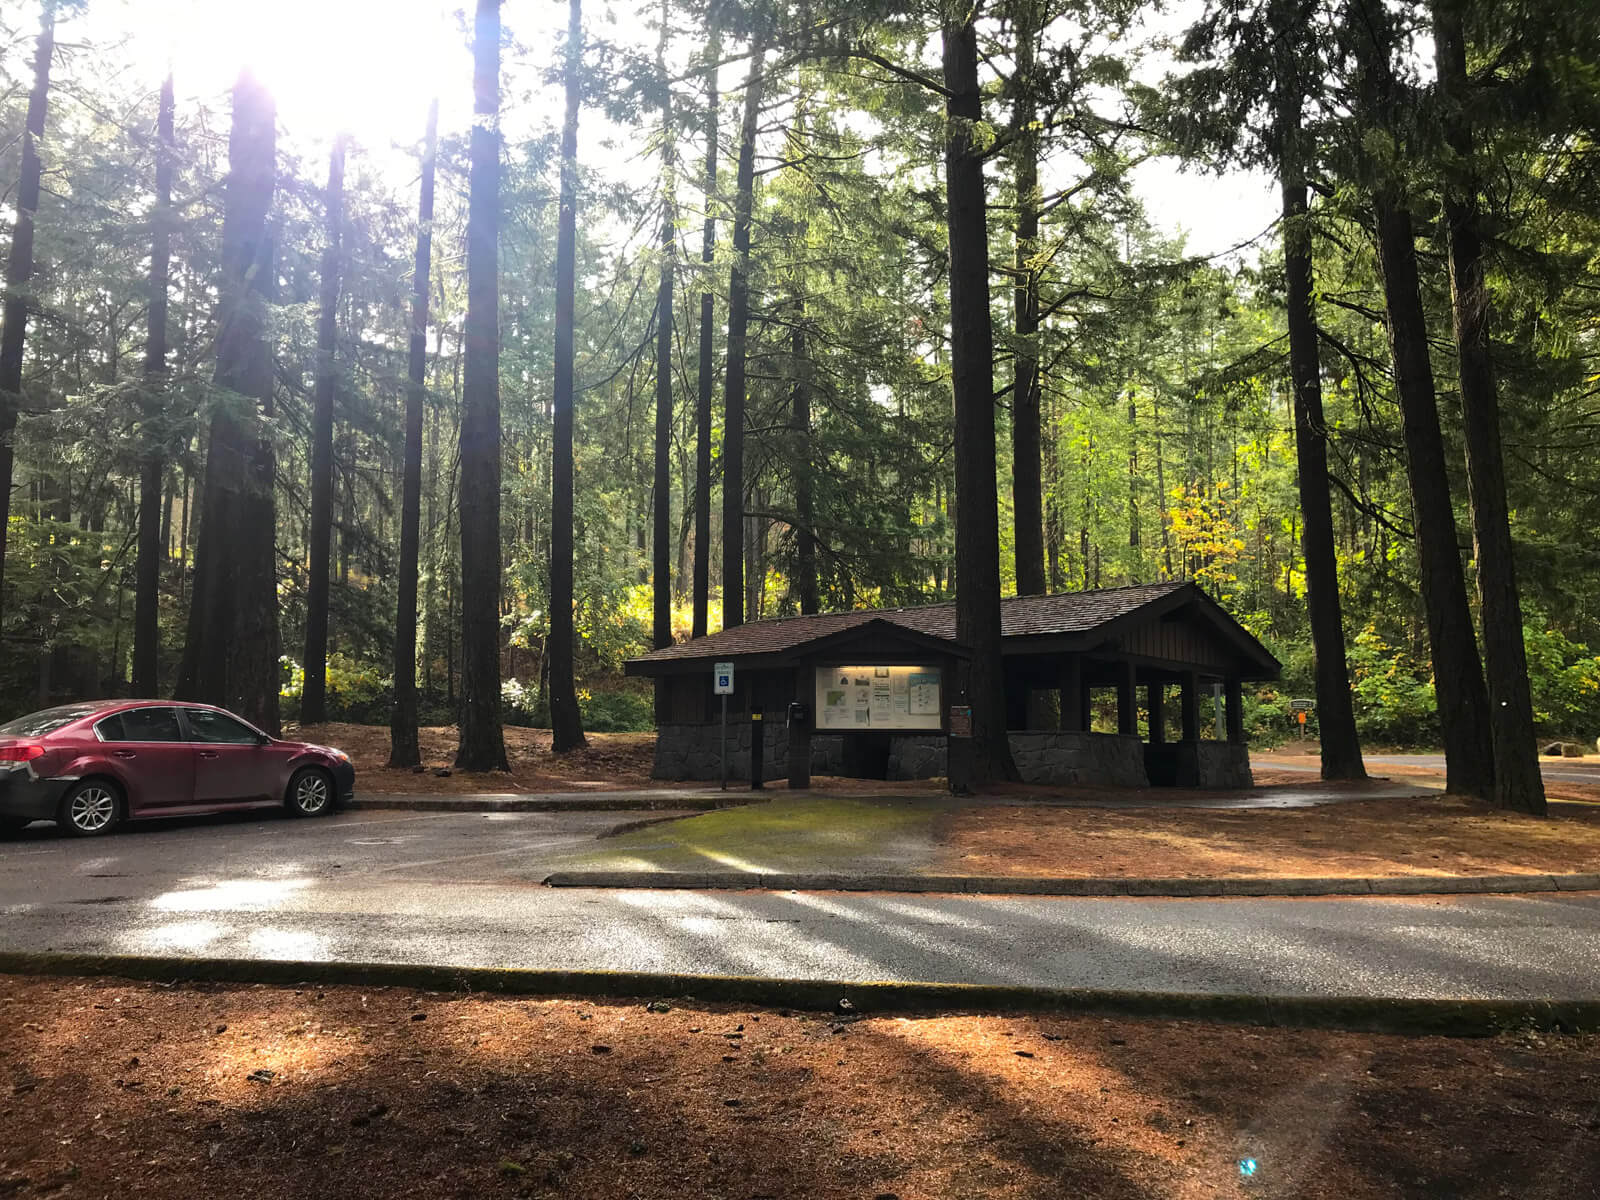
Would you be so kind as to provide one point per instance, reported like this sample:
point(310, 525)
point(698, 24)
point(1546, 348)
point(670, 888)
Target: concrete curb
point(1441, 1017)
point(585, 802)
point(999, 885)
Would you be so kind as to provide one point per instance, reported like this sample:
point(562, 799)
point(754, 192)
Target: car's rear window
point(46, 720)
point(141, 725)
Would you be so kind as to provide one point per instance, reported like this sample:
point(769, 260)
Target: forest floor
point(111, 1088)
point(1424, 835)
point(837, 827)
point(1429, 834)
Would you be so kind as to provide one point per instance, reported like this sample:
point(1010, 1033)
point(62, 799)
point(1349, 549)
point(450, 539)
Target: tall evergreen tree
point(231, 651)
point(1383, 105)
point(153, 468)
point(566, 722)
point(1518, 784)
point(661, 494)
point(706, 382)
point(314, 694)
point(1336, 719)
point(482, 743)
point(1027, 495)
point(404, 745)
point(972, 382)
point(19, 270)
point(735, 389)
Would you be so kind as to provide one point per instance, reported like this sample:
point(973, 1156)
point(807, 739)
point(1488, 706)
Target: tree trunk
point(482, 745)
point(405, 748)
point(231, 651)
point(1027, 500)
point(1518, 784)
point(1341, 748)
point(153, 466)
point(804, 503)
point(661, 537)
point(702, 412)
point(314, 696)
point(738, 328)
point(1458, 673)
point(566, 722)
point(19, 270)
point(972, 381)
point(805, 532)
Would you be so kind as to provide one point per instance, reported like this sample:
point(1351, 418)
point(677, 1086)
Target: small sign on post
point(722, 685)
point(1300, 709)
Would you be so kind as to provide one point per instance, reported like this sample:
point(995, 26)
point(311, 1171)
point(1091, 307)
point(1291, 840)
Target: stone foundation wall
point(687, 752)
point(917, 756)
point(695, 751)
point(1223, 765)
point(1067, 758)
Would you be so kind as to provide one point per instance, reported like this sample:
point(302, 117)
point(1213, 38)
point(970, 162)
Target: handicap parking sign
point(722, 677)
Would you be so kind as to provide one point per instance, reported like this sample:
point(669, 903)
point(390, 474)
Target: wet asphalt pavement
point(461, 889)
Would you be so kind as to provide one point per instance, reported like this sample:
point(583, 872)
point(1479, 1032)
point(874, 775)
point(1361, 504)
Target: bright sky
point(366, 67)
point(369, 68)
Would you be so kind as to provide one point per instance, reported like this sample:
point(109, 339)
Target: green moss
point(802, 834)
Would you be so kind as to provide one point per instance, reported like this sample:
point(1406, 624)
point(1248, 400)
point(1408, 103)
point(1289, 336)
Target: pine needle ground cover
point(113, 1089)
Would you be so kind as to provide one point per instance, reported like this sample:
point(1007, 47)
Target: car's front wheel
point(90, 808)
point(311, 792)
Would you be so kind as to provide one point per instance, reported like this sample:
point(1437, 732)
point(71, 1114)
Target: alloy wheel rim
point(92, 809)
point(312, 794)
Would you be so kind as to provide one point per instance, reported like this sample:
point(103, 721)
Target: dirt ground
point(111, 1089)
point(611, 762)
point(1428, 835)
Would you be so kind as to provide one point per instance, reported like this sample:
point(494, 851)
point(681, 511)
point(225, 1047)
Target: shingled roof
point(1020, 617)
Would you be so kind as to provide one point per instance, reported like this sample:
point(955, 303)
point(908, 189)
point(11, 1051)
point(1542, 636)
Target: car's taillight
point(21, 754)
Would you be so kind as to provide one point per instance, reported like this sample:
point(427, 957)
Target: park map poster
point(865, 699)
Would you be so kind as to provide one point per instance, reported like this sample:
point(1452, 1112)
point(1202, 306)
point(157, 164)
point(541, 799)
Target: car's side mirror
point(263, 740)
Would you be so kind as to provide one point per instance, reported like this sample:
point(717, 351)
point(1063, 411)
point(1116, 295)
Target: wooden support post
point(1127, 699)
point(1234, 699)
point(1191, 706)
point(1155, 701)
point(1074, 712)
point(800, 724)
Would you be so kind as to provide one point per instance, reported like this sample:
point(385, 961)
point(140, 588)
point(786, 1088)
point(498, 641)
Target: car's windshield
point(46, 721)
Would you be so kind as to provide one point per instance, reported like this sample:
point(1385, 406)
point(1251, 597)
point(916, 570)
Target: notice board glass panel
point(868, 699)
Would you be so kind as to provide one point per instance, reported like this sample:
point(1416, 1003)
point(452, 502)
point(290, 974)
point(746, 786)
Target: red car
point(89, 766)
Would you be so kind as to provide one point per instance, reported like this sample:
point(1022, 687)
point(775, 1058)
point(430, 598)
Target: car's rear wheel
point(90, 808)
point(311, 792)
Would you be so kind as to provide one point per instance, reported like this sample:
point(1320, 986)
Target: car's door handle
point(125, 754)
point(208, 754)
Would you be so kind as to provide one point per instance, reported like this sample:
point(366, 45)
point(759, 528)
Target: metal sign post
point(722, 685)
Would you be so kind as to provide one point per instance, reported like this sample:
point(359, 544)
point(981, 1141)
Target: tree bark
point(1341, 747)
point(153, 466)
point(1458, 673)
point(405, 748)
point(702, 412)
point(482, 744)
point(566, 722)
point(972, 381)
point(1027, 499)
point(804, 501)
point(734, 389)
point(661, 536)
point(1518, 784)
point(314, 695)
point(231, 652)
point(19, 270)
